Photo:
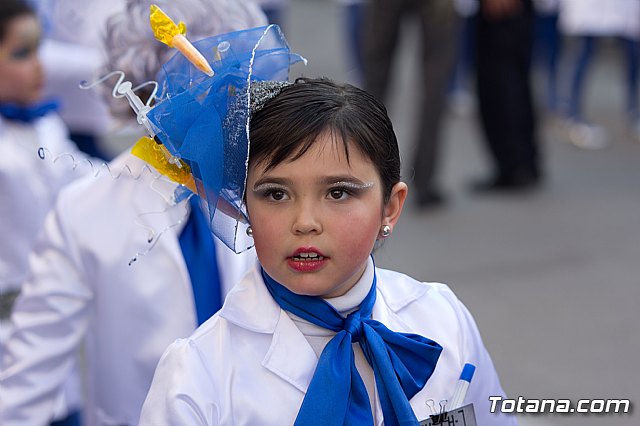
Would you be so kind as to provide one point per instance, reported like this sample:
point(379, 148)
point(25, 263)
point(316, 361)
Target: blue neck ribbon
point(402, 363)
point(28, 113)
point(199, 251)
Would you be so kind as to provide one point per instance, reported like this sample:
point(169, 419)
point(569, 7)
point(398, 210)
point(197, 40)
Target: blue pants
point(73, 419)
point(631, 51)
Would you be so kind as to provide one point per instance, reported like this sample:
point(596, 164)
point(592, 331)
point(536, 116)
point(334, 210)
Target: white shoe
point(587, 136)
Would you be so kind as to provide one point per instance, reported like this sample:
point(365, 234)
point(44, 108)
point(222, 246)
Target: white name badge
point(463, 416)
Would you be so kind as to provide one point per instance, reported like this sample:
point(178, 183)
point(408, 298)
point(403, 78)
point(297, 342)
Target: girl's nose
point(306, 219)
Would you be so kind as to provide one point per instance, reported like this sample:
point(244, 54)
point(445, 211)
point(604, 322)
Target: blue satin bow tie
point(402, 363)
point(27, 114)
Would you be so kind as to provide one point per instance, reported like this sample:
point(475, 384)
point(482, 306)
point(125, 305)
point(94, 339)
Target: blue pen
point(461, 388)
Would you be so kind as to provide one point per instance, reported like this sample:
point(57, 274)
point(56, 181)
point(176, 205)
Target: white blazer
point(601, 18)
point(250, 365)
point(83, 286)
point(28, 188)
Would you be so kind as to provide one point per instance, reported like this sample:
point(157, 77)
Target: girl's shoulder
point(399, 289)
point(415, 302)
point(430, 309)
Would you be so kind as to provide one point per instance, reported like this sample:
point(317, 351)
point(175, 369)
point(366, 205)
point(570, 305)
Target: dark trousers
point(439, 31)
point(631, 52)
point(504, 50)
point(73, 419)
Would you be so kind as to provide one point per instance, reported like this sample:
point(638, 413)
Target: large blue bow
point(205, 120)
point(402, 363)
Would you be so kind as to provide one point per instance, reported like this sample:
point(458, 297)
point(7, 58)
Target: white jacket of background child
point(83, 287)
point(251, 365)
point(28, 188)
point(601, 18)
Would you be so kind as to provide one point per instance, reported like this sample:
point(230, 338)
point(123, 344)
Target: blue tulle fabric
point(205, 120)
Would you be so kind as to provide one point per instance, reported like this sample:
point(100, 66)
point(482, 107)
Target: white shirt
point(83, 290)
point(29, 186)
point(250, 364)
point(600, 18)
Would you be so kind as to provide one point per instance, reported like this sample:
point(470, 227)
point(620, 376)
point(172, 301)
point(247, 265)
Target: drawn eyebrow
point(351, 181)
point(346, 180)
point(271, 181)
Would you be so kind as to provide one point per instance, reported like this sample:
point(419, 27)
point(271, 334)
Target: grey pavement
point(552, 278)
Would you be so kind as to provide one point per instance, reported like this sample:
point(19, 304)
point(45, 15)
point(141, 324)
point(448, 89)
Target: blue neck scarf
point(402, 363)
point(198, 249)
point(27, 114)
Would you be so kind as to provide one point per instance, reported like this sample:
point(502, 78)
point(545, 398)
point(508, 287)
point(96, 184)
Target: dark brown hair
point(288, 125)
point(10, 9)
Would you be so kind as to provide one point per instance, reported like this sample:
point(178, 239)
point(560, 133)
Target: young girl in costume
point(29, 130)
point(28, 185)
point(322, 189)
point(82, 294)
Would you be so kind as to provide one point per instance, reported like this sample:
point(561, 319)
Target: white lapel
point(289, 355)
point(158, 212)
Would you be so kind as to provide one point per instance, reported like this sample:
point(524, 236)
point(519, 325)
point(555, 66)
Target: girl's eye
point(22, 53)
point(276, 195)
point(338, 194)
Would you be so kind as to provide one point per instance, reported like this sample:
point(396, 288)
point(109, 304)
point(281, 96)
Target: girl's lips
point(306, 265)
point(301, 250)
point(307, 259)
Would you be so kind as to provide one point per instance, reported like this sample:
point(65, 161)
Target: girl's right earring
point(249, 231)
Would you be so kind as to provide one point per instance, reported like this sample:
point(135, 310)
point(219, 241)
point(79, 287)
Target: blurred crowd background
point(543, 250)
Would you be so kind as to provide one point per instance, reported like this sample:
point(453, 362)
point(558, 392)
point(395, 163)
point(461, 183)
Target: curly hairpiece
point(132, 48)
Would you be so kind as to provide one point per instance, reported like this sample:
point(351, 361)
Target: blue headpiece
point(204, 121)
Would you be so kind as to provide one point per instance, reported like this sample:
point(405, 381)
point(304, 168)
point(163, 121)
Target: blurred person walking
point(504, 49)
point(547, 51)
point(439, 29)
point(461, 98)
point(353, 12)
point(590, 21)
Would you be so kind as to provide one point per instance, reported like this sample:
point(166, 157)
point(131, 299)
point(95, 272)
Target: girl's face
point(315, 220)
point(21, 76)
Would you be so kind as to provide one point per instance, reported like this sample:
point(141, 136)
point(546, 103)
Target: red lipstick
point(307, 259)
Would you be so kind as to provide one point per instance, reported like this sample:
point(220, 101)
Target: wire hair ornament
point(205, 121)
point(121, 89)
point(241, 59)
point(44, 153)
point(124, 89)
point(153, 236)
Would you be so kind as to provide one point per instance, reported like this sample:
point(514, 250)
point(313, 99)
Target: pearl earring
point(386, 230)
point(249, 231)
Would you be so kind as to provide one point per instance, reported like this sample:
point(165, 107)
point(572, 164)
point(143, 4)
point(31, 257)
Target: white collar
point(250, 305)
point(351, 300)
